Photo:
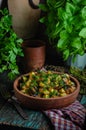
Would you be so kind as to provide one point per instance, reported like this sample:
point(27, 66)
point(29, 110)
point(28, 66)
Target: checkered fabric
point(67, 118)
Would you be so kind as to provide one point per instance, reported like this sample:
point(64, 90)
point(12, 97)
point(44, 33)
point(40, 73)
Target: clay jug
point(34, 55)
point(26, 16)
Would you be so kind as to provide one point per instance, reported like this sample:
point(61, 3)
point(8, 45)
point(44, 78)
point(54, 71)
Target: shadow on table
point(5, 127)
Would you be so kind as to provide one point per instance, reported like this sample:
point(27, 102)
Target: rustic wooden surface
point(36, 120)
point(10, 119)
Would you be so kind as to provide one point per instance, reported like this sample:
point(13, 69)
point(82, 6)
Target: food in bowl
point(43, 90)
point(46, 84)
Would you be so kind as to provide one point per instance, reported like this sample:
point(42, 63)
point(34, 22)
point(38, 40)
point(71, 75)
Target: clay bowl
point(37, 103)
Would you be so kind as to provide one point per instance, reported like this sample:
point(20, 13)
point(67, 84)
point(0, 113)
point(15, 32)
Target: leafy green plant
point(66, 26)
point(50, 19)
point(10, 45)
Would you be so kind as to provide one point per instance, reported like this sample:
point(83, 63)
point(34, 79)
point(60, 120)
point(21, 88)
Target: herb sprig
point(10, 45)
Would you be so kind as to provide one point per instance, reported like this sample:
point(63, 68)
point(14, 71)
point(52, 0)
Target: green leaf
point(64, 34)
point(57, 30)
point(76, 43)
point(12, 56)
point(83, 2)
point(3, 68)
point(81, 52)
point(4, 11)
point(42, 20)
point(68, 26)
point(82, 33)
point(77, 19)
point(65, 15)
point(66, 54)
point(43, 7)
point(76, 1)
point(70, 8)
point(83, 12)
point(12, 75)
point(59, 3)
point(62, 44)
point(13, 66)
point(60, 13)
point(19, 40)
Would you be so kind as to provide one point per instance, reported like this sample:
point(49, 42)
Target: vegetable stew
point(46, 84)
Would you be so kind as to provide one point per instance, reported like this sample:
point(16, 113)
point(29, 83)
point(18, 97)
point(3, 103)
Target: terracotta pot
point(34, 55)
point(79, 62)
point(38, 103)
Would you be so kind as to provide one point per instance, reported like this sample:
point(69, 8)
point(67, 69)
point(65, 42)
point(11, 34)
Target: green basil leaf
point(76, 43)
point(83, 12)
point(82, 33)
point(60, 13)
point(68, 26)
point(70, 8)
point(76, 1)
point(64, 34)
point(66, 54)
point(62, 44)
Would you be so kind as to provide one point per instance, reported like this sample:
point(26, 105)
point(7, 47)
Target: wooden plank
point(36, 120)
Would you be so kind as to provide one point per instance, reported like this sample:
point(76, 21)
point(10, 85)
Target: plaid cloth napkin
point(67, 118)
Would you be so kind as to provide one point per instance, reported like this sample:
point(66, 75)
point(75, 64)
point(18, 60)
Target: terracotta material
point(34, 55)
point(45, 104)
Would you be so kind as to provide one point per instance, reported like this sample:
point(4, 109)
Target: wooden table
point(9, 118)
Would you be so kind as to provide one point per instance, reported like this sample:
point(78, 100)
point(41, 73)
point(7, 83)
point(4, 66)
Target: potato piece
point(46, 92)
point(41, 84)
point(63, 94)
point(45, 96)
point(62, 90)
